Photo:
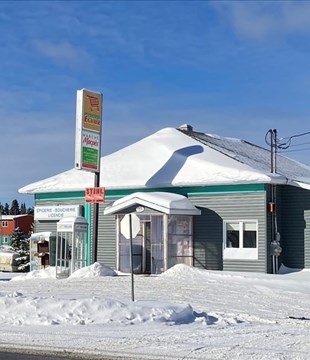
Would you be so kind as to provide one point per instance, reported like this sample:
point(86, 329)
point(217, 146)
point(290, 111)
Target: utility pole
point(275, 249)
point(273, 150)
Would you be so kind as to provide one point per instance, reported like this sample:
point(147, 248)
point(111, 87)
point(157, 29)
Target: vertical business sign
point(88, 130)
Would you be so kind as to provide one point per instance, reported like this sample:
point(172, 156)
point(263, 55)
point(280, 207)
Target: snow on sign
point(94, 195)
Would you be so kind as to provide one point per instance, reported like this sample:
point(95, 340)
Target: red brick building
point(8, 223)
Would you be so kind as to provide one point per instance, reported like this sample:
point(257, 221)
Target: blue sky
point(230, 68)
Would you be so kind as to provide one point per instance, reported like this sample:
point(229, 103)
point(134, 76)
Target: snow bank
point(183, 270)
point(286, 270)
point(17, 309)
point(49, 272)
point(94, 270)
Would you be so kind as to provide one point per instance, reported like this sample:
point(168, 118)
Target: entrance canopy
point(167, 203)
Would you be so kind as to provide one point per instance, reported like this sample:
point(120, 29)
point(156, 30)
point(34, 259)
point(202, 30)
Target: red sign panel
point(94, 195)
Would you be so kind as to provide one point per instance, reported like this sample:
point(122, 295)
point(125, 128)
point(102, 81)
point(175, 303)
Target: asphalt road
point(28, 355)
point(21, 356)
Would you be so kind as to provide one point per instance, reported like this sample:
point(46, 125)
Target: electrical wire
point(290, 151)
point(287, 143)
point(301, 144)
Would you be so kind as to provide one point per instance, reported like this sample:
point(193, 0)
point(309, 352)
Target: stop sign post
point(125, 225)
point(130, 227)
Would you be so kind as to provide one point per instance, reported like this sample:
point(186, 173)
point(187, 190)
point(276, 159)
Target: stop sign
point(125, 225)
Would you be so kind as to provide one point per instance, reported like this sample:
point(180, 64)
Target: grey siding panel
point(42, 225)
point(208, 229)
point(106, 239)
point(307, 237)
point(295, 234)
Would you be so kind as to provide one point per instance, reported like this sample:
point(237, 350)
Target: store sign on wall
point(88, 130)
point(55, 212)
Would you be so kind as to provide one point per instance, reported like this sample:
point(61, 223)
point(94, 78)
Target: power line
point(306, 143)
point(287, 143)
point(296, 150)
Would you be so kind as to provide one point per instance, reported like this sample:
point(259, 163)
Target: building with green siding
point(207, 201)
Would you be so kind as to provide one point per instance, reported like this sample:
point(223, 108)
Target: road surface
point(19, 354)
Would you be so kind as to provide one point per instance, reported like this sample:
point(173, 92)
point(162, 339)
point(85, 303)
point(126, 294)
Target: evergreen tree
point(6, 210)
point(14, 210)
point(30, 211)
point(23, 209)
point(1, 209)
point(20, 243)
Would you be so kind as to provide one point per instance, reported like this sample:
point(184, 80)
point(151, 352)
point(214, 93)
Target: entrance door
point(146, 232)
point(157, 245)
point(147, 247)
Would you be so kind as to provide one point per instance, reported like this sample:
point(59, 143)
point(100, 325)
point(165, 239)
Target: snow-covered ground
point(185, 313)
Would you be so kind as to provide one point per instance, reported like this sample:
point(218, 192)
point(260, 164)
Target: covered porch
point(165, 232)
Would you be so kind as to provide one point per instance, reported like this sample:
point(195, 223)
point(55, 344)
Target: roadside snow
point(185, 313)
point(94, 270)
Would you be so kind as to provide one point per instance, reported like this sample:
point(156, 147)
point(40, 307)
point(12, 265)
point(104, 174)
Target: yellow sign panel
point(92, 110)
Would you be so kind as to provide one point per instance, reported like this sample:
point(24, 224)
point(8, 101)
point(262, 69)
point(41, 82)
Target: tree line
point(15, 209)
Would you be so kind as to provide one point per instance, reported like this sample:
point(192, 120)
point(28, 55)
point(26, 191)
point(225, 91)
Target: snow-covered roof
point(12, 217)
point(167, 203)
point(174, 157)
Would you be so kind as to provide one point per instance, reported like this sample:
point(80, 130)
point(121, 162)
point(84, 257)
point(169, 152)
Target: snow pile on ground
point(185, 313)
point(94, 270)
point(183, 271)
point(46, 273)
point(19, 309)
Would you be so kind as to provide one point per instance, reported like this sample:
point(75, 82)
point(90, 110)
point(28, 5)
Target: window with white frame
point(240, 239)
point(5, 240)
point(5, 223)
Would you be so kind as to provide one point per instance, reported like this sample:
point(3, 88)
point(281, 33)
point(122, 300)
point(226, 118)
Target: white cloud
point(266, 20)
point(62, 52)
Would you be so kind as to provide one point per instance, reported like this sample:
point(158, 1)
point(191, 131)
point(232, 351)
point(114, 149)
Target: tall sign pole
point(88, 144)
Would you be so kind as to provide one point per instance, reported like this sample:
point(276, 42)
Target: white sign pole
point(88, 144)
point(130, 227)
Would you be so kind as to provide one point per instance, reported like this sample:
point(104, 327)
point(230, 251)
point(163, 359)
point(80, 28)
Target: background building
point(8, 223)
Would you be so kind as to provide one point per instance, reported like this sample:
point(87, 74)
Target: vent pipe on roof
point(185, 128)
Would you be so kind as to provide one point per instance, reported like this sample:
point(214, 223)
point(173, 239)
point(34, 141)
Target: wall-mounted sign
point(55, 212)
point(88, 130)
point(94, 195)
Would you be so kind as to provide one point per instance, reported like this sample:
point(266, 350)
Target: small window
point(5, 240)
point(240, 239)
point(249, 235)
point(232, 235)
point(4, 223)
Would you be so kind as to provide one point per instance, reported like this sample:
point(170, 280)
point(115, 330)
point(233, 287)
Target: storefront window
point(180, 240)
